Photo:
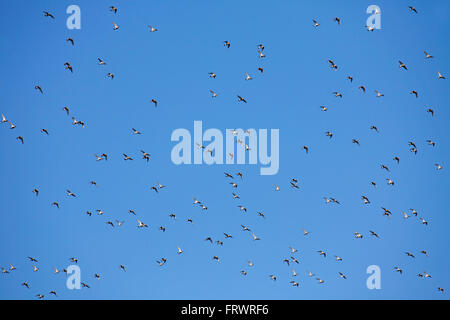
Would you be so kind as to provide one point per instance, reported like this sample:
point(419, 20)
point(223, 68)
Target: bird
point(365, 200)
point(44, 131)
point(101, 62)
point(386, 212)
point(48, 14)
point(39, 88)
point(20, 138)
point(397, 269)
point(247, 76)
point(338, 20)
point(152, 29)
point(70, 194)
point(110, 75)
point(241, 99)
point(141, 224)
point(402, 65)
point(379, 94)
point(358, 235)
point(113, 9)
point(322, 253)
point(415, 93)
point(125, 157)
point(427, 55)
point(226, 44)
point(337, 94)
point(373, 233)
point(332, 65)
point(362, 88)
point(430, 111)
point(179, 250)
point(342, 275)
point(68, 66)
point(438, 166)
point(161, 262)
point(316, 24)
point(135, 131)
point(70, 40)
point(212, 75)
point(255, 238)
point(115, 26)
point(440, 76)
point(213, 94)
point(412, 9)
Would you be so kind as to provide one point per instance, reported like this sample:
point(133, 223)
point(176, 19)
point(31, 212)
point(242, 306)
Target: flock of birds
point(292, 258)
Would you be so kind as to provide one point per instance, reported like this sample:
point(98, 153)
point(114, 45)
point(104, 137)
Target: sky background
point(172, 65)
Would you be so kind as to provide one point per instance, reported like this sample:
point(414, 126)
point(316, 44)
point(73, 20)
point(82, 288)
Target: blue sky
point(172, 66)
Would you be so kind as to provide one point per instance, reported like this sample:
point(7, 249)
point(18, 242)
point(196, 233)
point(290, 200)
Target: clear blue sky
point(172, 66)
